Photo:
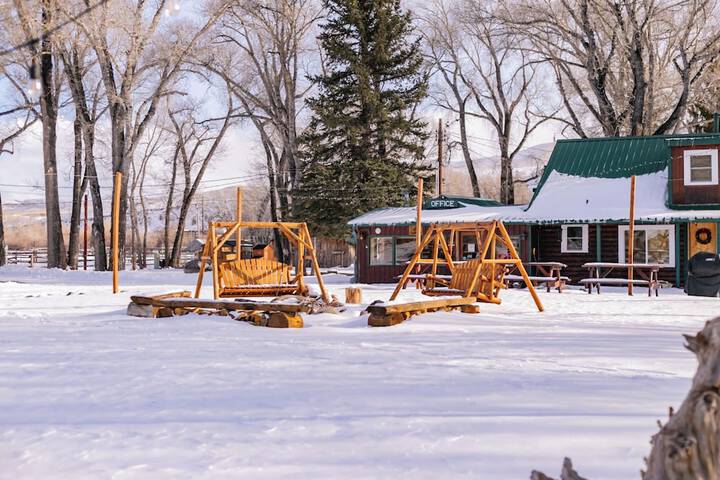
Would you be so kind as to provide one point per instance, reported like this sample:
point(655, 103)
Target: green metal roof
point(616, 157)
point(482, 202)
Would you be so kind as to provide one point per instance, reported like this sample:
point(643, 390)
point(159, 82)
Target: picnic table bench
point(599, 271)
point(549, 274)
point(421, 280)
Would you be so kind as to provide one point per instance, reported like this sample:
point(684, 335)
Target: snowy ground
point(88, 392)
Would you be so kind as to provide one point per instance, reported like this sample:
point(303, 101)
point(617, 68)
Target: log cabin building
point(579, 211)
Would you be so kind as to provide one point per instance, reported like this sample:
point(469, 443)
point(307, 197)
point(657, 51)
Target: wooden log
point(424, 305)
point(145, 300)
point(284, 320)
point(164, 312)
point(258, 319)
point(228, 305)
point(353, 295)
point(380, 320)
point(139, 310)
point(470, 308)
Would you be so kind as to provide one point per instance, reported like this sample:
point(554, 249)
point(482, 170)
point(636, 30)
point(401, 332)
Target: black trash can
point(703, 275)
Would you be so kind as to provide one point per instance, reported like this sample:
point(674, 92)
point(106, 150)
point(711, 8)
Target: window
point(381, 250)
point(574, 239)
point(391, 250)
point(701, 167)
point(469, 247)
point(501, 251)
point(652, 244)
point(404, 250)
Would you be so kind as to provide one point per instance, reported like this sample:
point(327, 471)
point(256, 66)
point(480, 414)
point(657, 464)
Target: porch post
point(598, 242)
point(529, 243)
point(678, 261)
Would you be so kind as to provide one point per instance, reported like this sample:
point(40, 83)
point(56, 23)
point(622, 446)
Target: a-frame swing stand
point(479, 279)
point(235, 277)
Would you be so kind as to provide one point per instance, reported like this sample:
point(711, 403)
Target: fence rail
point(37, 257)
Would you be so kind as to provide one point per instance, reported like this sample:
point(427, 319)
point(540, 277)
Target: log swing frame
point(297, 234)
point(479, 285)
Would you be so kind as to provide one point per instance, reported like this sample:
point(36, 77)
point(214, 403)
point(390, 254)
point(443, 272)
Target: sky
point(240, 160)
point(21, 174)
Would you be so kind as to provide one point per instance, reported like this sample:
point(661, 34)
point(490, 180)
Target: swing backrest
point(463, 274)
point(254, 271)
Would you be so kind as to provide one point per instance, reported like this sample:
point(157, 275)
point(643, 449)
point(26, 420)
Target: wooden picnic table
point(549, 273)
point(599, 271)
point(422, 279)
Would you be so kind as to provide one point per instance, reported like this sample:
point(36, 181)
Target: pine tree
point(364, 145)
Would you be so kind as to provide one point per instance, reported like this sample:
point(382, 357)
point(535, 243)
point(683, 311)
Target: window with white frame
point(652, 244)
point(701, 167)
point(574, 239)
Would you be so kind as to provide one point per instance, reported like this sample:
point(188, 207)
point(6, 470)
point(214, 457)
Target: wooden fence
point(37, 257)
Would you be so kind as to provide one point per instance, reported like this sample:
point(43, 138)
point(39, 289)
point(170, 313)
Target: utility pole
point(440, 159)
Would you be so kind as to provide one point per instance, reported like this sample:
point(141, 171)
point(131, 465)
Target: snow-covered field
point(88, 392)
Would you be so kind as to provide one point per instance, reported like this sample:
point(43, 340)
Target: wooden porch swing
point(257, 277)
point(480, 278)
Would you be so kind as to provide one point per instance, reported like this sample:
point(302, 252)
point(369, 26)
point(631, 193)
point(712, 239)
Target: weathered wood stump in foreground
point(687, 447)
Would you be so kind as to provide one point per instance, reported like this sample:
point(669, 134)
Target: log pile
point(275, 314)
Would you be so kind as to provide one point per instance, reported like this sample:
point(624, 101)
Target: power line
point(35, 40)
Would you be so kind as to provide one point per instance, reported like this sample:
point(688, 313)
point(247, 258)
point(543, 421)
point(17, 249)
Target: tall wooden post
point(85, 236)
point(440, 159)
point(418, 224)
point(238, 237)
point(631, 235)
point(115, 230)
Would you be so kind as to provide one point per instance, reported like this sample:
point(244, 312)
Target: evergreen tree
point(363, 147)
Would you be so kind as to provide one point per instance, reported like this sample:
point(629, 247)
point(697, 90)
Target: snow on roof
point(466, 213)
point(568, 198)
point(562, 199)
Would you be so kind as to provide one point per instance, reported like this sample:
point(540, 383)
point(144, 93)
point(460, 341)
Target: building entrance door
point(703, 238)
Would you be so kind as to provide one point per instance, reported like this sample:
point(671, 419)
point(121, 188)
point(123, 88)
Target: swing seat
point(485, 290)
point(257, 277)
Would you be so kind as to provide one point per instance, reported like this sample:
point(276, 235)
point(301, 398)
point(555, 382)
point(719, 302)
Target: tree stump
point(687, 447)
point(353, 295)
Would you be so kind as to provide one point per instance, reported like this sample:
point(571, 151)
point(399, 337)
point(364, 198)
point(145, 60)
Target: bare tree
point(85, 91)
point(51, 80)
point(138, 67)
point(153, 146)
point(198, 141)
point(621, 67)
point(29, 117)
point(442, 36)
point(480, 62)
point(260, 54)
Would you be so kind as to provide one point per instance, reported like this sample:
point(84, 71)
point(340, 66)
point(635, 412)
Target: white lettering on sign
point(442, 204)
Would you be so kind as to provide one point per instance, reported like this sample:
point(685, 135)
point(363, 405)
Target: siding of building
point(546, 244)
point(690, 194)
point(388, 273)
